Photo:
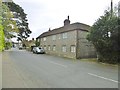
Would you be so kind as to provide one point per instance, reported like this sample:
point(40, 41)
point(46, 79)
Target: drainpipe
point(77, 41)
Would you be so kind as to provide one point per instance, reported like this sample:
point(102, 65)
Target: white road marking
point(103, 78)
point(59, 64)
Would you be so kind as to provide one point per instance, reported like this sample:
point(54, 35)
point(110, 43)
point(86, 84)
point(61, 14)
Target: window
point(73, 48)
point(44, 39)
point(64, 49)
point(45, 47)
point(49, 47)
point(54, 37)
point(54, 47)
point(64, 35)
point(59, 36)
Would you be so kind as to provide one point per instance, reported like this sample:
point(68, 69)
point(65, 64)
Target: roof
point(66, 28)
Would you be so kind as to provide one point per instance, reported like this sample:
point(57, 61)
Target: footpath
point(11, 78)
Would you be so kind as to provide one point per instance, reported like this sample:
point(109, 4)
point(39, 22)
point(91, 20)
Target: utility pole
point(0, 9)
point(111, 8)
point(119, 9)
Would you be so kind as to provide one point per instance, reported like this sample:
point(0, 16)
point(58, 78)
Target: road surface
point(23, 69)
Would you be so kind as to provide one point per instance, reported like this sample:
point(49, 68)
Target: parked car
point(38, 50)
point(20, 47)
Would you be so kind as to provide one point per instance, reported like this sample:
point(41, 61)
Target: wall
point(85, 48)
point(70, 40)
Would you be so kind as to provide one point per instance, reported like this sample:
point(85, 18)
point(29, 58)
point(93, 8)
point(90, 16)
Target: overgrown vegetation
point(13, 21)
point(105, 37)
point(2, 39)
point(9, 26)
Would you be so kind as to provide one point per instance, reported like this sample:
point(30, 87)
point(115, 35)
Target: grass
point(90, 59)
point(94, 60)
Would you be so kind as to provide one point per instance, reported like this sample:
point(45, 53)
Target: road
point(23, 69)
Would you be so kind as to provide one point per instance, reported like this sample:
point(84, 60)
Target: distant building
point(29, 43)
point(68, 41)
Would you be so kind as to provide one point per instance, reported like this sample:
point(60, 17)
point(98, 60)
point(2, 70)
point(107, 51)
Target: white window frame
point(72, 48)
point(44, 39)
point(49, 47)
point(64, 35)
point(54, 47)
point(59, 36)
point(64, 48)
point(54, 37)
point(45, 47)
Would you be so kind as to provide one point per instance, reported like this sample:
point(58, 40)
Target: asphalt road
point(23, 69)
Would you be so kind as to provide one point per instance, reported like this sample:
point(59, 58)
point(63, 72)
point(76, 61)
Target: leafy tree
point(9, 25)
point(104, 35)
point(21, 20)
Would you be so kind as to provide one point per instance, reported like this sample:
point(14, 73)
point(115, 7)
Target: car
point(20, 47)
point(38, 50)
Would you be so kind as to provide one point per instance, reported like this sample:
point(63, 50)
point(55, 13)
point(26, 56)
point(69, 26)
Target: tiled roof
point(66, 28)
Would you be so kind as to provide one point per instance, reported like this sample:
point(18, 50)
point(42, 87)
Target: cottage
point(68, 41)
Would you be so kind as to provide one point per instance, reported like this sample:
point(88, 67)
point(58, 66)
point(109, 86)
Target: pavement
point(10, 73)
point(22, 69)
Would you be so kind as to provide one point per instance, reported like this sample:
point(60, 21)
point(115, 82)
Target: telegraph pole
point(0, 10)
point(119, 9)
point(111, 8)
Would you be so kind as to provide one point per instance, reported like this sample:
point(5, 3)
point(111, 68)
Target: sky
point(45, 14)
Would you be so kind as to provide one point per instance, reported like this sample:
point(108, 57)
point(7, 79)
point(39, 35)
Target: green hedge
point(2, 39)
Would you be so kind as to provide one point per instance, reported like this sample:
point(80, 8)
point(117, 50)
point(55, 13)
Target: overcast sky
point(45, 14)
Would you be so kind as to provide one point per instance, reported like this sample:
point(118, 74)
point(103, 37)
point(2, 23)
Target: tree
point(21, 20)
point(104, 35)
point(9, 25)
